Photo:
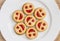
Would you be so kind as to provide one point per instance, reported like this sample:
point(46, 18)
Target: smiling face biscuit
point(30, 20)
point(41, 25)
point(20, 28)
point(28, 8)
point(18, 16)
point(31, 33)
point(40, 13)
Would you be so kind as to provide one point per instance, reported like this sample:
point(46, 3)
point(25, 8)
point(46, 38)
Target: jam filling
point(22, 26)
point(39, 24)
point(28, 19)
point(31, 30)
point(38, 14)
point(21, 16)
point(29, 11)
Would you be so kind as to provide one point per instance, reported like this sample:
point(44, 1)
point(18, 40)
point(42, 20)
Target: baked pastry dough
point(31, 33)
point(20, 28)
point(30, 20)
point(40, 13)
point(41, 25)
point(28, 8)
point(18, 16)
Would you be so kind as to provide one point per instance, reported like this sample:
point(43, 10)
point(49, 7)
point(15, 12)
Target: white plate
point(7, 24)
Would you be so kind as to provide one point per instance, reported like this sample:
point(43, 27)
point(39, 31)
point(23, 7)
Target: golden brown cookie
point(30, 20)
point(40, 13)
point(41, 25)
point(20, 28)
point(18, 16)
point(28, 8)
point(31, 33)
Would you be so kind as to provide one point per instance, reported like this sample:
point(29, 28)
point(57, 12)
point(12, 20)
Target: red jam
point(31, 30)
point(29, 11)
point(21, 16)
point(22, 26)
point(38, 14)
point(28, 19)
point(39, 24)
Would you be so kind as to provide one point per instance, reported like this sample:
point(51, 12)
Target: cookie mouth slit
point(31, 30)
point(29, 11)
point(38, 14)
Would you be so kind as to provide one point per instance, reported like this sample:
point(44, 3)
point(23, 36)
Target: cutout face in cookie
point(31, 33)
point(18, 16)
point(40, 13)
point(41, 25)
point(30, 20)
point(28, 8)
point(20, 28)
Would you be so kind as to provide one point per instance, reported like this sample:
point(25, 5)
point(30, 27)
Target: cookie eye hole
point(33, 20)
point(42, 28)
point(20, 31)
point(16, 13)
point(43, 14)
point(30, 6)
point(40, 10)
point(29, 35)
point(16, 18)
point(29, 23)
point(44, 24)
point(26, 7)
point(17, 27)
point(34, 34)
